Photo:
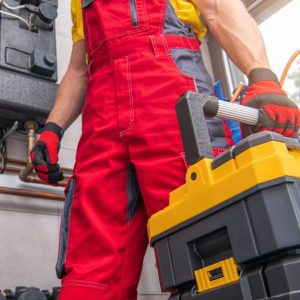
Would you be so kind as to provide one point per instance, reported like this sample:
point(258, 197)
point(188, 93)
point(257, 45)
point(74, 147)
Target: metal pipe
point(30, 127)
point(34, 179)
point(23, 162)
point(32, 194)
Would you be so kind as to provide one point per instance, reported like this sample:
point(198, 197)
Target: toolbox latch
point(216, 275)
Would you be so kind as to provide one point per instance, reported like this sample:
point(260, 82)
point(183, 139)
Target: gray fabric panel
point(65, 226)
point(191, 64)
point(173, 25)
point(134, 197)
point(86, 3)
point(216, 133)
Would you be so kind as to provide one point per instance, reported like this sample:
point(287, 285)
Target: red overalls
point(137, 52)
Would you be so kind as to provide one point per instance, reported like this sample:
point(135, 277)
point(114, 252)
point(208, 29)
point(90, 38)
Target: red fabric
point(51, 140)
point(262, 87)
point(218, 151)
point(289, 113)
point(41, 168)
point(159, 44)
point(114, 131)
point(43, 176)
point(228, 134)
point(281, 115)
point(129, 116)
point(85, 291)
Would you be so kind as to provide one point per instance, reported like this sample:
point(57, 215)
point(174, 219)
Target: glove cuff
point(51, 126)
point(260, 74)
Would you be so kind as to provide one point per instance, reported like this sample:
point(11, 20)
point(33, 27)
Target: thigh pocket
point(64, 228)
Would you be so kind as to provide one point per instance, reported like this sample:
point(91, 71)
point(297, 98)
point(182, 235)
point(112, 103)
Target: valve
point(45, 16)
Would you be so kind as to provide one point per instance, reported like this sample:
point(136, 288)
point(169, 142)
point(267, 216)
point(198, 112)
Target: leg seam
point(125, 259)
point(86, 284)
point(131, 102)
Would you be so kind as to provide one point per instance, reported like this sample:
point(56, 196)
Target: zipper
point(133, 12)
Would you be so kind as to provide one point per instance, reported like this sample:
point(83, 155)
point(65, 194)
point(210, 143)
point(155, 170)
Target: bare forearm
point(69, 101)
point(236, 31)
point(71, 92)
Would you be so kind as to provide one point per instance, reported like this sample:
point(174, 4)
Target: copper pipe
point(287, 67)
point(237, 92)
point(36, 179)
point(23, 162)
point(26, 174)
point(31, 194)
point(15, 169)
point(30, 127)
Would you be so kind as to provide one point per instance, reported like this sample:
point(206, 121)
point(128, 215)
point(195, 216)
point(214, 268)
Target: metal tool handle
point(222, 109)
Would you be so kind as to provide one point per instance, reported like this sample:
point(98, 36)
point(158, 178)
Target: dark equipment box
point(28, 67)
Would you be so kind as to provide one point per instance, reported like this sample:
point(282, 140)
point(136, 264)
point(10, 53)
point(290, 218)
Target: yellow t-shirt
point(77, 28)
point(185, 10)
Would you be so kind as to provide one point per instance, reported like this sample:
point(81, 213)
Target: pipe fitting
point(30, 127)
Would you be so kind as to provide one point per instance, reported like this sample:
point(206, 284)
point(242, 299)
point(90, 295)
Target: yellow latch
point(216, 275)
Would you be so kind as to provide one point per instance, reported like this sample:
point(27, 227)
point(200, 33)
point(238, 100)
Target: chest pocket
point(108, 19)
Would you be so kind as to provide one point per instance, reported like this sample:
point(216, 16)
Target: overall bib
point(130, 155)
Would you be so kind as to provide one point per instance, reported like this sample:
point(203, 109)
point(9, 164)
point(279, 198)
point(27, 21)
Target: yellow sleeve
point(77, 28)
point(184, 9)
point(189, 14)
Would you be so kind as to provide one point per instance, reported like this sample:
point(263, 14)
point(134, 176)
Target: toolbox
point(232, 231)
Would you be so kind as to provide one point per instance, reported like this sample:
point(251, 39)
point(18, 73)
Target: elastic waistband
point(160, 45)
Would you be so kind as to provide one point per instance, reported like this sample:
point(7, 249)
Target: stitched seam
point(189, 43)
point(197, 67)
point(194, 62)
point(195, 86)
point(162, 17)
point(63, 256)
point(192, 83)
point(131, 97)
point(103, 60)
point(152, 39)
point(122, 133)
point(125, 259)
point(182, 154)
point(86, 284)
point(113, 66)
point(126, 33)
point(164, 40)
point(190, 79)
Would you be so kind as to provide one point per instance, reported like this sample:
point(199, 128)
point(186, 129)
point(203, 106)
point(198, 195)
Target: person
point(142, 55)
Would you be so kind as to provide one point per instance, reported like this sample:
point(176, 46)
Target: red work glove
point(44, 154)
point(277, 112)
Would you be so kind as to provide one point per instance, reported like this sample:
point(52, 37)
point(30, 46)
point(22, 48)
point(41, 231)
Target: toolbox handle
point(231, 111)
point(193, 108)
